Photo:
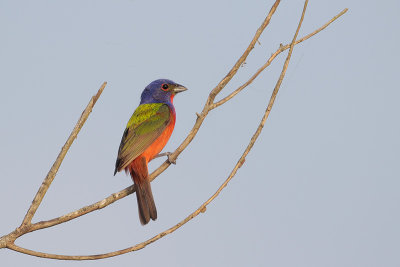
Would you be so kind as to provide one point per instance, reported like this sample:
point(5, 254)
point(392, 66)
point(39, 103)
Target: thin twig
point(202, 208)
point(82, 211)
point(242, 59)
point(53, 171)
point(273, 56)
point(26, 225)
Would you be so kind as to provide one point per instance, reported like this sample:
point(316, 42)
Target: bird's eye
point(164, 87)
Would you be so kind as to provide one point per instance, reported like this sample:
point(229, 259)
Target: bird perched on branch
point(146, 134)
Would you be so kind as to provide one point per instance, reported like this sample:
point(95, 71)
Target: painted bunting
point(146, 134)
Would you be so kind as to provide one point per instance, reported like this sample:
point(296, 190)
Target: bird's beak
point(179, 88)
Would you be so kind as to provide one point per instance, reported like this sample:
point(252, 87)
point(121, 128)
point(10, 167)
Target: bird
point(146, 133)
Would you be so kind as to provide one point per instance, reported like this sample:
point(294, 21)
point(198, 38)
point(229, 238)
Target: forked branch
point(26, 226)
point(129, 190)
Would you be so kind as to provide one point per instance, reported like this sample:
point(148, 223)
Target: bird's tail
point(146, 205)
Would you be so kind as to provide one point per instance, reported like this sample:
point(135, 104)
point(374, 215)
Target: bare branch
point(82, 211)
point(273, 56)
point(242, 59)
point(202, 208)
point(53, 171)
point(129, 190)
point(27, 226)
point(172, 157)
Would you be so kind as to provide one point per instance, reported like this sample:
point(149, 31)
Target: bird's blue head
point(161, 91)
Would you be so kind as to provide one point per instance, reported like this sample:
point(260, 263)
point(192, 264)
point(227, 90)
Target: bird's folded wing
point(146, 124)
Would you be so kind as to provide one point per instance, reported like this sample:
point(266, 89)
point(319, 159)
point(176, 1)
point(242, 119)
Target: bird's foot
point(168, 154)
point(172, 161)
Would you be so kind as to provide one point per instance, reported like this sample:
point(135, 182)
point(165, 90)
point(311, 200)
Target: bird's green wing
point(144, 127)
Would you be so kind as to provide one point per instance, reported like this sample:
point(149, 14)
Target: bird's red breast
point(156, 147)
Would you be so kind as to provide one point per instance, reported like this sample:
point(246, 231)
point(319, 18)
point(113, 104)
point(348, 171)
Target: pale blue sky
point(320, 187)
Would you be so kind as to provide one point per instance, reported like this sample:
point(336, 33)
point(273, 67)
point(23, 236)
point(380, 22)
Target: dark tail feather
point(146, 205)
point(139, 174)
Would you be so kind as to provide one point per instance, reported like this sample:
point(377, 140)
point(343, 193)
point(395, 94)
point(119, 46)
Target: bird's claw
point(168, 154)
point(172, 161)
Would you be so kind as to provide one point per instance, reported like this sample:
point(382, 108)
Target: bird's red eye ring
point(164, 87)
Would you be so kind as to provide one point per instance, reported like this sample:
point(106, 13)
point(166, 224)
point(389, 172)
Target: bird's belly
point(156, 147)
